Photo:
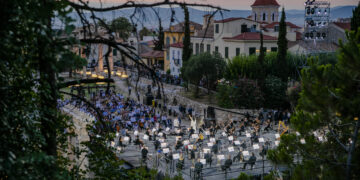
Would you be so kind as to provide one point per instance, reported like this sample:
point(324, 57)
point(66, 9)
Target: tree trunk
point(47, 90)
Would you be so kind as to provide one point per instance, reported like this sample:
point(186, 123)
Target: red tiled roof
point(228, 19)
point(177, 45)
point(265, 3)
point(205, 33)
point(272, 25)
point(180, 27)
point(153, 54)
point(250, 36)
point(345, 26)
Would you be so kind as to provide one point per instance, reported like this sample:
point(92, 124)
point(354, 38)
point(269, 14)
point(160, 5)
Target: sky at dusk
point(241, 4)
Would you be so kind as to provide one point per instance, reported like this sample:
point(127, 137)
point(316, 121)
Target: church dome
point(265, 3)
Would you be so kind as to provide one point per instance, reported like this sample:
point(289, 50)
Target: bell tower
point(265, 11)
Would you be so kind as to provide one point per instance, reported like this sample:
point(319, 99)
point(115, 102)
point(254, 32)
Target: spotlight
point(312, 23)
point(311, 35)
point(306, 35)
point(324, 35)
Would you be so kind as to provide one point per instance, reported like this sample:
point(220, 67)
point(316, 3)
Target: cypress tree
point(159, 44)
point(282, 48)
point(261, 58)
point(355, 20)
point(186, 49)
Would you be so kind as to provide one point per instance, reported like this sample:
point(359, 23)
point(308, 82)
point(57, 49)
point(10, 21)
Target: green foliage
point(204, 66)
point(159, 44)
point(122, 27)
point(144, 32)
point(168, 71)
point(70, 60)
point(187, 51)
point(274, 92)
point(244, 93)
point(282, 48)
point(223, 96)
point(293, 94)
point(271, 176)
point(243, 176)
point(142, 173)
point(329, 104)
point(355, 20)
point(29, 125)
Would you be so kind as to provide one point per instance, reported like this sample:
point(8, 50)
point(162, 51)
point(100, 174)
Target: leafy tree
point(205, 67)
point(186, 48)
point(122, 27)
point(243, 93)
point(223, 96)
point(327, 119)
point(70, 61)
point(274, 92)
point(282, 47)
point(144, 32)
point(32, 129)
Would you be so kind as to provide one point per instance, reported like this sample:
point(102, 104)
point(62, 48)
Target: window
point(191, 45)
point(183, 39)
point(226, 52)
point(167, 41)
point(273, 49)
point(264, 49)
point(237, 51)
point(208, 48)
point(197, 48)
point(255, 17)
point(201, 48)
point(216, 28)
point(273, 17)
point(174, 39)
point(173, 55)
point(114, 52)
point(178, 55)
point(264, 17)
point(244, 28)
point(276, 28)
point(167, 55)
point(216, 49)
point(252, 50)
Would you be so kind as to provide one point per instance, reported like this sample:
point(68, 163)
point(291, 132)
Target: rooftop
point(177, 45)
point(343, 25)
point(265, 3)
point(180, 27)
point(153, 54)
point(250, 36)
point(272, 25)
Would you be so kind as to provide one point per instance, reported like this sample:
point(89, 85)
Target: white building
point(176, 58)
point(240, 36)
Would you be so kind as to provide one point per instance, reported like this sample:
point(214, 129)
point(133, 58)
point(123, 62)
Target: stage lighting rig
point(317, 17)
